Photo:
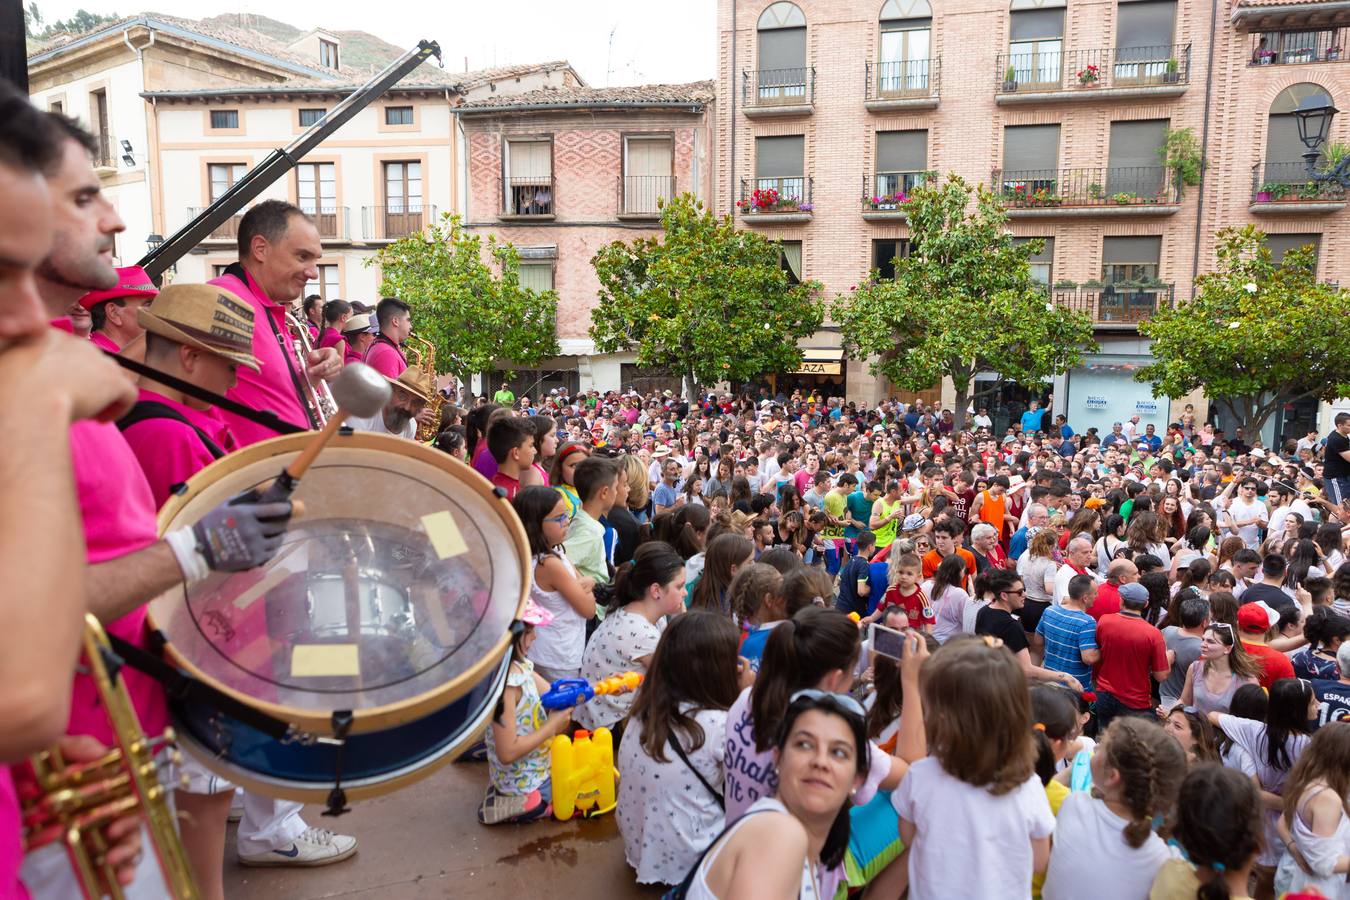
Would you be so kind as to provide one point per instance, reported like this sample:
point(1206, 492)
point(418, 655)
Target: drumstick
point(359, 391)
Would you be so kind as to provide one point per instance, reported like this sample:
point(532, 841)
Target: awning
point(821, 361)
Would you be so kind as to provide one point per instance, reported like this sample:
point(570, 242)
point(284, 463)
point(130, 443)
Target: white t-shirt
point(376, 425)
point(620, 640)
point(1241, 511)
point(968, 842)
point(1276, 523)
point(1091, 857)
point(1063, 577)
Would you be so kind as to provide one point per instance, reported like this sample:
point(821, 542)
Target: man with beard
point(412, 392)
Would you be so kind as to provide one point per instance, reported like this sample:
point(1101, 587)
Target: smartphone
point(887, 641)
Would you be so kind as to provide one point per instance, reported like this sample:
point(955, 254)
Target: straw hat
point(359, 323)
point(416, 382)
point(203, 316)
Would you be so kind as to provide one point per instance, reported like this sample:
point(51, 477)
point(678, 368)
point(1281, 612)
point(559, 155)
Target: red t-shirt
point(915, 605)
point(1274, 664)
point(1107, 602)
point(506, 483)
point(1132, 650)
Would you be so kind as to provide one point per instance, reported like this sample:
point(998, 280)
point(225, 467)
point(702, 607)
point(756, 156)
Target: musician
point(358, 333)
point(278, 252)
point(128, 564)
point(311, 314)
point(112, 313)
point(335, 315)
point(386, 354)
point(412, 392)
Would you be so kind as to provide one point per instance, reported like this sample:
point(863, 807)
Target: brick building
point(1058, 105)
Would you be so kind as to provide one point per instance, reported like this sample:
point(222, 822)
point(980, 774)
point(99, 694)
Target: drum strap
point(180, 686)
point(337, 797)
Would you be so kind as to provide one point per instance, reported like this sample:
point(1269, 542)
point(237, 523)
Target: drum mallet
point(359, 391)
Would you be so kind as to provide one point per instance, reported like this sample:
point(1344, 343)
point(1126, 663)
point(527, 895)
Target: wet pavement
point(425, 842)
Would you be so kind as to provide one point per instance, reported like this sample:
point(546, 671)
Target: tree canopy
point(470, 313)
point(962, 302)
point(83, 20)
point(703, 300)
point(1256, 336)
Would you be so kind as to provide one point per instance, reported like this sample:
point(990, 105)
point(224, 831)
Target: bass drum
point(380, 631)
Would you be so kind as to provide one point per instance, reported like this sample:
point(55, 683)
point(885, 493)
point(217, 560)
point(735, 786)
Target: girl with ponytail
point(1104, 840)
point(1218, 825)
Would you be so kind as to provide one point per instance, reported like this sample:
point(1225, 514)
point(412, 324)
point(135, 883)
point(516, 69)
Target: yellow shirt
point(1176, 881)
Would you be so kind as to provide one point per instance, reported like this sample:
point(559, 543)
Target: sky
point(666, 42)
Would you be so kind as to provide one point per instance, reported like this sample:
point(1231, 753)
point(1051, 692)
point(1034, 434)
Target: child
point(517, 741)
point(563, 470)
point(1104, 840)
point(596, 480)
point(906, 593)
point(854, 589)
point(1218, 825)
point(727, 553)
point(569, 597)
point(978, 789)
point(813, 540)
point(1054, 729)
point(511, 443)
point(756, 596)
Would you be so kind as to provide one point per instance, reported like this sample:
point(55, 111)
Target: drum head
point(391, 597)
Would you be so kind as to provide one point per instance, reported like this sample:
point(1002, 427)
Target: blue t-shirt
point(860, 508)
point(752, 648)
point(878, 579)
point(1031, 420)
point(855, 570)
point(1154, 441)
point(1068, 632)
point(1065, 431)
point(1018, 545)
point(1333, 701)
point(664, 495)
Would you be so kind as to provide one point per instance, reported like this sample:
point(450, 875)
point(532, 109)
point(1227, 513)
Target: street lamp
point(1313, 116)
point(153, 241)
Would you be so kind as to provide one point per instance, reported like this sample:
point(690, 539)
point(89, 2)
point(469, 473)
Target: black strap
point(145, 410)
point(237, 270)
point(181, 686)
point(680, 891)
point(263, 417)
point(337, 797)
point(679, 751)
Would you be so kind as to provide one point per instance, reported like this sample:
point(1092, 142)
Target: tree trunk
point(962, 401)
point(690, 387)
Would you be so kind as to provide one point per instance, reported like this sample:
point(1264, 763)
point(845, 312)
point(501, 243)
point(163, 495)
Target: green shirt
point(504, 397)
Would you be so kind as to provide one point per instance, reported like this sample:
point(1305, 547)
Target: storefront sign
point(1146, 407)
point(818, 368)
point(1096, 401)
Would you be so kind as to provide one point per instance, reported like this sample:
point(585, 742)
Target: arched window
point(1284, 151)
point(904, 64)
point(782, 53)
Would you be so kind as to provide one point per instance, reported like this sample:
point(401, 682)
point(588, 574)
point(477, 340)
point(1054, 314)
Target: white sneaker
point(316, 847)
point(236, 807)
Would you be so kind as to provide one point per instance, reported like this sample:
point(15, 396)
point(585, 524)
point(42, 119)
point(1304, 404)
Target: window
point(902, 160)
point(647, 179)
point(218, 269)
point(98, 116)
point(906, 36)
point(1284, 150)
point(1041, 264)
point(310, 117)
point(1134, 164)
point(222, 177)
point(886, 251)
point(398, 115)
point(791, 260)
point(224, 118)
point(403, 210)
point(779, 165)
point(1036, 46)
point(316, 193)
point(1031, 157)
point(782, 54)
point(1130, 258)
point(328, 54)
point(529, 178)
point(327, 285)
point(536, 276)
point(1144, 33)
point(57, 107)
point(1280, 244)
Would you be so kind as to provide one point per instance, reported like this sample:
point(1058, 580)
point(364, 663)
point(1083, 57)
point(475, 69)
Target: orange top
point(994, 510)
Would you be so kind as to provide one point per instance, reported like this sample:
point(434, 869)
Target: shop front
point(822, 371)
point(1103, 391)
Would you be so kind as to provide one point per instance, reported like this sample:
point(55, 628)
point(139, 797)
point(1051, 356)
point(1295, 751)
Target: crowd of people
point(881, 652)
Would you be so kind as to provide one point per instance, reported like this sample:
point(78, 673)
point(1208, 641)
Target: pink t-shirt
point(386, 358)
point(349, 355)
point(331, 337)
point(170, 452)
point(11, 840)
point(118, 512)
point(103, 342)
point(274, 387)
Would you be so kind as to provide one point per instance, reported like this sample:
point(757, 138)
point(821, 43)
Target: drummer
point(358, 332)
point(411, 394)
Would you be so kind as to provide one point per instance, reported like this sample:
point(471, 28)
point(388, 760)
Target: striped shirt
point(1068, 632)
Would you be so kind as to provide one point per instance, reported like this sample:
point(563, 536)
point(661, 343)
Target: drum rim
point(379, 717)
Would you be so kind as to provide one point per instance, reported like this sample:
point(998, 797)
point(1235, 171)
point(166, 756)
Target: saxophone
point(75, 802)
point(423, 354)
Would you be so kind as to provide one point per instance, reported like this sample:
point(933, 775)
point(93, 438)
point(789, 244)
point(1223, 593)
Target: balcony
point(1118, 191)
point(1104, 73)
point(902, 84)
point(399, 220)
point(641, 196)
point(333, 222)
point(1283, 188)
point(104, 157)
point(775, 201)
point(778, 92)
point(529, 197)
point(227, 232)
point(1122, 305)
point(1296, 48)
point(884, 194)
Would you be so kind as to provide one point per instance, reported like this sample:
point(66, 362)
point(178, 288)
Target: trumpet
point(75, 802)
point(423, 353)
point(318, 400)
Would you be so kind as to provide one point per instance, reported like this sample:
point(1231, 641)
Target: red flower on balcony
point(1089, 75)
point(764, 198)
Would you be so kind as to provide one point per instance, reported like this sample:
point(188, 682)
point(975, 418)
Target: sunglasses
point(843, 701)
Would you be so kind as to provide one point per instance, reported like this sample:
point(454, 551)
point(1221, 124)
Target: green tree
point(704, 300)
point(962, 302)
point(1256, 336)
point(472, 312)
point(82, 21)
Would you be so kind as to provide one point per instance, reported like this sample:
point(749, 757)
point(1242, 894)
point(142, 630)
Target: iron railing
point(333, 222)
point(227, 231)
point(766, 88)
point(764, 196)
point(528, 196)
point(1105, 187)
point(1297, 46)
point(394, 221)
point(1116, 303)
point(903, 79)
point(888, 190)
point(1097, 67)
point(1276, 182)
point(642, 195)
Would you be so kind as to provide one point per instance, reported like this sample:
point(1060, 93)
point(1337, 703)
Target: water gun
point(566, 693)
point(583, 773)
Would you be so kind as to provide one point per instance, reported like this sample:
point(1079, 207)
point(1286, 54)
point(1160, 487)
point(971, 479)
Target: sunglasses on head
point(842, 701)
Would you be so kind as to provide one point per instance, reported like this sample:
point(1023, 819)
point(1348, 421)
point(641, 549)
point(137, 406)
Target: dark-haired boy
point(854, 589)
point(511, 443)
point(597, 482)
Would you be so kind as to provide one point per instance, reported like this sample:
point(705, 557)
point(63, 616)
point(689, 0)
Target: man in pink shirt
point(112, 313)
point(386, 355)
point(278, 253)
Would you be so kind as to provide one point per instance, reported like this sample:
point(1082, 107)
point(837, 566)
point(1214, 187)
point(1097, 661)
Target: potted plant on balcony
point(1095, 191)
point(1009, 80)
point(1310, 190)
point(1333, 53)
point(1172, 74)
point(1123, 198)
point(1265, 193)
point(1089, 76)
point(1066, 284)
point(1333, 154)
point(1093, 284)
